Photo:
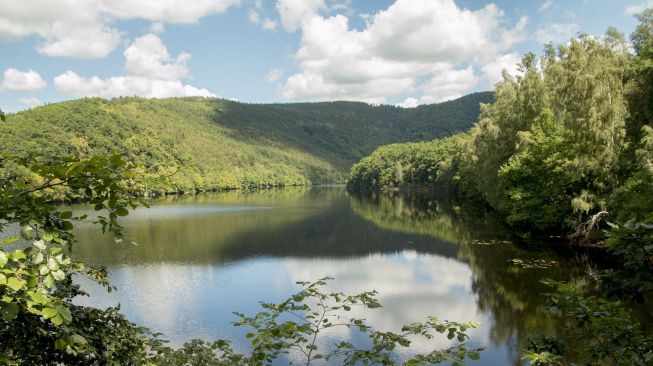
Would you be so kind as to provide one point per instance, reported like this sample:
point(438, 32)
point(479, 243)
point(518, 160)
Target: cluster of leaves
point(292, 329)
point(36, 287)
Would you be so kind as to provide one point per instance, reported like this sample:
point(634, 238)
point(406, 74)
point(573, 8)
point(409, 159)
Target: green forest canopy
point(568, 138)
point(208, 144)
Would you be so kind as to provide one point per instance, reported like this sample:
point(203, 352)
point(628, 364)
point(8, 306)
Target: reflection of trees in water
point(295, 223)
point(427, 214)
point(510, 293)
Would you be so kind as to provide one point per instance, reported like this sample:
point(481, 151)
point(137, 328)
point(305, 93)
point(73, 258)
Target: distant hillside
point(216, 143)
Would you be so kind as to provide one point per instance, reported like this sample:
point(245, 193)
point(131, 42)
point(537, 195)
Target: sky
point(401, 52)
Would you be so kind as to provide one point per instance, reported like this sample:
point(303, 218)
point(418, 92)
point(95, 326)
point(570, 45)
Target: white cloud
point(409, 102)
point(151, 73)
point(86, 28)
point(274, 75)
point(409, 41)
point(634, 9)
point(83, 42)
point(17, 80)
point(508, 62)
point(72, 84)
point(171, 11)
point(546, 5)
point(29, 102)
point(447, 85)
point(254, 17)
point(294, 12)
point(157, 27)
point(556, 32)
point(148, 56)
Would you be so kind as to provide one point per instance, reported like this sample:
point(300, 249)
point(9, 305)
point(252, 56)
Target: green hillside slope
point(216, 144)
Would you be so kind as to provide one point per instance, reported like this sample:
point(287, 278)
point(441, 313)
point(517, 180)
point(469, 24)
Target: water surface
point(187, 263)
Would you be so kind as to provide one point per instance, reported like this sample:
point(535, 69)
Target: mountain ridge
point(218, 144)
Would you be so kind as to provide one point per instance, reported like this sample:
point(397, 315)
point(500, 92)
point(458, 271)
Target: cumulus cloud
point(557, 32)
point(294, 12)
point(508, 62)
point(85, 28)
point(29, 102)
point(148, 56)
point(171, 11)
point(634, 9)
point(16, 80)
point(151, 73)
point(409, 41)
point(448, 84)
point(72, 84)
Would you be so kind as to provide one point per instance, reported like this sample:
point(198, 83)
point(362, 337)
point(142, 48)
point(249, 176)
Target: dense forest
point(569, 137)
point(211, 144)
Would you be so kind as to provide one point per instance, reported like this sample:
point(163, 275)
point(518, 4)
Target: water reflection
point(200, 258)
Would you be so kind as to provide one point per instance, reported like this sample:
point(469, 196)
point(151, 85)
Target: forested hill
point(215, 143)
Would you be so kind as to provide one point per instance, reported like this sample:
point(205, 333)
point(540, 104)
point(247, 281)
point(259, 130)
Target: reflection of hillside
point(426, 214)
point(284, 223)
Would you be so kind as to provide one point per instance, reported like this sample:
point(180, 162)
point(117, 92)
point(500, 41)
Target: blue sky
point(405, 52)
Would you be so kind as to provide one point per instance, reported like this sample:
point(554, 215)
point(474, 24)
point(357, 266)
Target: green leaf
point(43, 269)
point(38, 258)
point(17, 255)
point(9, 240)
point(3, 279)
point(64, 312)
point(59, 275)
point(3, 258)
point(27, 232)
point(66, 215)
point(67, 225)
point(38, 298)
point(49, 313)
point(48, 281)
point(14, 283)
point(9, 311)
point(52, 264)
point(57, 320)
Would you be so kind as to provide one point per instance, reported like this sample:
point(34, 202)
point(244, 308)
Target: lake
point(188, 262)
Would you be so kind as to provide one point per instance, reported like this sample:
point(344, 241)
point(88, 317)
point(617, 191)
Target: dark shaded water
point(197, 259)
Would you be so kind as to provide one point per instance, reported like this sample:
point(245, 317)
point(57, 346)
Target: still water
point(188, 262)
